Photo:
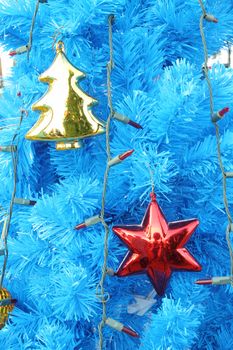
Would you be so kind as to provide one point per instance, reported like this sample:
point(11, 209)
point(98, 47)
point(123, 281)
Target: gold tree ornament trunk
point(66, 115)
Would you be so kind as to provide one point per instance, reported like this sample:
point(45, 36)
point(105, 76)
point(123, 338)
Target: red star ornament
point(157, 247)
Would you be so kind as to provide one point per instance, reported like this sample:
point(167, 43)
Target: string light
point(88, 222)
point(215, 280)
point(23, 201)
point(27, 48)
point(220, 114)
point(215, 118)
point(104, 296)
point(19, 50)
point(6, 225)
point(11, 148)
point(122, 118)
point(120, 327)
point(210, 18)
point(120, 158)
point(101, 294)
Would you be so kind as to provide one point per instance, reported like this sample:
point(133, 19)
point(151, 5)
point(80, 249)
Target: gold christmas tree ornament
point(66, 115)
point(6, 306)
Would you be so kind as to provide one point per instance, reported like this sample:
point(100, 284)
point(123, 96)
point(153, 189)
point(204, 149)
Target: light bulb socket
point(122, 118)
point(11, 148)
point(110, 272)
point(120, 327)
point(216, 280)
point(89, 222)
point(23, 201)
point(220, 114)
point(210, 18)
point(228, 174)
point(19, 50)
point(120, 158)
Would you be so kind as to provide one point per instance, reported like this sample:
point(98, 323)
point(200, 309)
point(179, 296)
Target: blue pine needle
point(157, 81)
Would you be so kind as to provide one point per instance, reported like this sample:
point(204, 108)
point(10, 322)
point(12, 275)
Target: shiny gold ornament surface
point(6, 306)
point(66, 115)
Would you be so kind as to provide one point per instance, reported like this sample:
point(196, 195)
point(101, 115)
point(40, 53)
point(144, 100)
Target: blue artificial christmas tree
point(156, 81)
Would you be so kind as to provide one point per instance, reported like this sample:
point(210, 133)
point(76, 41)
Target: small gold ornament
point(6, 306)
point(66, 115)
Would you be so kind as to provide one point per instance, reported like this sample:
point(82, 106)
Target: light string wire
point(151, 173)
point(14, 155)
point(55, 36)
point(32, 28)
point(104, 297)
point(221, 165)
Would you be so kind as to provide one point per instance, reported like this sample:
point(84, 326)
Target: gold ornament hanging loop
point(60, 46)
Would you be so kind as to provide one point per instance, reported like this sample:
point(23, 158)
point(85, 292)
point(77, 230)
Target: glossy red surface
point(157, 247)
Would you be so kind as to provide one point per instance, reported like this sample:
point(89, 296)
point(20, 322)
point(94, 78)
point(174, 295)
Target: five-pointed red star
point(157, 247)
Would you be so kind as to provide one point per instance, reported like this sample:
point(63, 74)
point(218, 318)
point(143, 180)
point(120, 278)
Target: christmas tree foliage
point(157, 80)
